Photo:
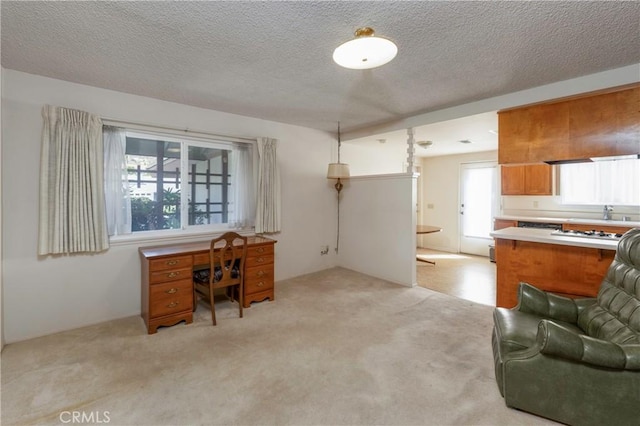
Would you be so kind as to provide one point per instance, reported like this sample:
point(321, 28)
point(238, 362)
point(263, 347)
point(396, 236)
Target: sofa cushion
point(517, 330)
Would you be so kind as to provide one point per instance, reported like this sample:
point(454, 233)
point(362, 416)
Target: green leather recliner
point(576, 361)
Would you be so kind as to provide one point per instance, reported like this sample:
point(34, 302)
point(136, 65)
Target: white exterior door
point(478, 198)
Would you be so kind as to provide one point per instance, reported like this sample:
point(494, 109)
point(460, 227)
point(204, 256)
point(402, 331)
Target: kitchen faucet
point(606, 212)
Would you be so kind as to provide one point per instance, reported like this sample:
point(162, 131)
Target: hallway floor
point(462, 275)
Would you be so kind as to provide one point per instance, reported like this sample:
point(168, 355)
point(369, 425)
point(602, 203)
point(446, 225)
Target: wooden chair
point(226, 269)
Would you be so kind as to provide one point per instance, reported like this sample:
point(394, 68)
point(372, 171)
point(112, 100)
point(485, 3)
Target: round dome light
point(365, 51)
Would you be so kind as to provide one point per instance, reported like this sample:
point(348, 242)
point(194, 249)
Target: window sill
point(173, 236)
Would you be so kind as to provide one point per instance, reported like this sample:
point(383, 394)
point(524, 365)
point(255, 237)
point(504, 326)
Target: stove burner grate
point(588, 234)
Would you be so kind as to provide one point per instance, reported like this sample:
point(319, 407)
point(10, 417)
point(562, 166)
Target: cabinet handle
point(260, 284)
point(260, 259)
point(260, 273)
point(260, 250)
point(173, 274)
point(172, 291)
point(172, 305)
point(171, 262)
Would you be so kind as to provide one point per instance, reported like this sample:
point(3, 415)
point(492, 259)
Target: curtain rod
point(187, 131)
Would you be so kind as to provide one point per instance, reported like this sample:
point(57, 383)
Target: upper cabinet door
point(538, 179)
point(628, 121)
point(512, 180)
point(514, 136)
point(594, 125)
point(526, 179)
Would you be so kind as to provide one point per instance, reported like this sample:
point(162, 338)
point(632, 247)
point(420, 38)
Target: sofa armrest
point(555, 340)
point(535, 301)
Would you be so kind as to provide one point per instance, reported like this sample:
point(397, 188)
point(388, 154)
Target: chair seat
point(202, 276)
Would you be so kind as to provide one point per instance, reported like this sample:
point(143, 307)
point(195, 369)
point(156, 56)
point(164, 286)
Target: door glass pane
point(476, 220)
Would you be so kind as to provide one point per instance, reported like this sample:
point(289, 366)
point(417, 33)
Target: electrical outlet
point(429, 206)
point(324, 250)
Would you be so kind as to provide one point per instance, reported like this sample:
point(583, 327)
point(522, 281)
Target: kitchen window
point(613, 182)
point(189, 184)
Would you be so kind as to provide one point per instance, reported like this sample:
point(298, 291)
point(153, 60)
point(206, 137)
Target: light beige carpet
point(335, 348)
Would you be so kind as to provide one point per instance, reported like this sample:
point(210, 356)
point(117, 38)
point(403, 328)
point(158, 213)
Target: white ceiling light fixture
point(365, 51)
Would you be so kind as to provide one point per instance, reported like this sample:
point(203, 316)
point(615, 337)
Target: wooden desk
point(426, 229)
point(167, 278)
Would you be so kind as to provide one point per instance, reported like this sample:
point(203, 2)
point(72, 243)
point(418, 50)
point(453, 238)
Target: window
point(614, 182)
point(184, 183)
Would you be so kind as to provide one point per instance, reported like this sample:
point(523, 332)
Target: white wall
point(378, 226)
point(46, 295)
point(384, 158)
point(440, 181)
point(1, 286)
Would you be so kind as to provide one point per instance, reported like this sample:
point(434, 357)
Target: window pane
point(601, 182)
point(154, 183)
point(209, 181)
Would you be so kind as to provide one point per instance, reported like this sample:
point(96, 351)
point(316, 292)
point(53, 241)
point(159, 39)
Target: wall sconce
point(338, 170)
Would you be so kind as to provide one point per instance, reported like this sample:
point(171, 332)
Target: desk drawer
point(260, 250)
point(171, 275)
point(258, 285)
point(201, 259)
point(171, 263)
point(258, 278)
point(265, 259)
point(171, 297)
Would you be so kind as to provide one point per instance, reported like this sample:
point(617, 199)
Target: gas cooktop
point(588, 234)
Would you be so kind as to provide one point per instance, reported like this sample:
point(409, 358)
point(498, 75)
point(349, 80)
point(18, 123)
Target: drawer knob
point(260, 273)
point(172, 305)
point(172, 262)
point(260, 284)
point(173, 274)
point(260, 259)
point(172, 291)
point(260, 250)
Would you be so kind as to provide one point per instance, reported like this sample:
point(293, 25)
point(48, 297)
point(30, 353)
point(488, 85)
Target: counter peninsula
point(571, 266)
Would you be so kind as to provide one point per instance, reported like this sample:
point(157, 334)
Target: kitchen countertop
point(581, 221)
point(544, 236)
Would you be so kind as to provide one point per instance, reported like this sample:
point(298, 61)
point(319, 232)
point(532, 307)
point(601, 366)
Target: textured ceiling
point(272, 60)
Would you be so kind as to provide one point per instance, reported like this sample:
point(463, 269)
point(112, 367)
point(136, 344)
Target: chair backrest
point(226, 256)
point(616, 314)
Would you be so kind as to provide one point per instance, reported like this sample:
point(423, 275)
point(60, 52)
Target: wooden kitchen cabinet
point(526, 179)
point(567, 270)
point(606, 124)
point(503, 223)
point(597, 124)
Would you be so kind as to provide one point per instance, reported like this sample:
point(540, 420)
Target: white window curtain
point(268, 197)
point(242, 191)
point(116, 185)
point(601, 182)
point(72, 214)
